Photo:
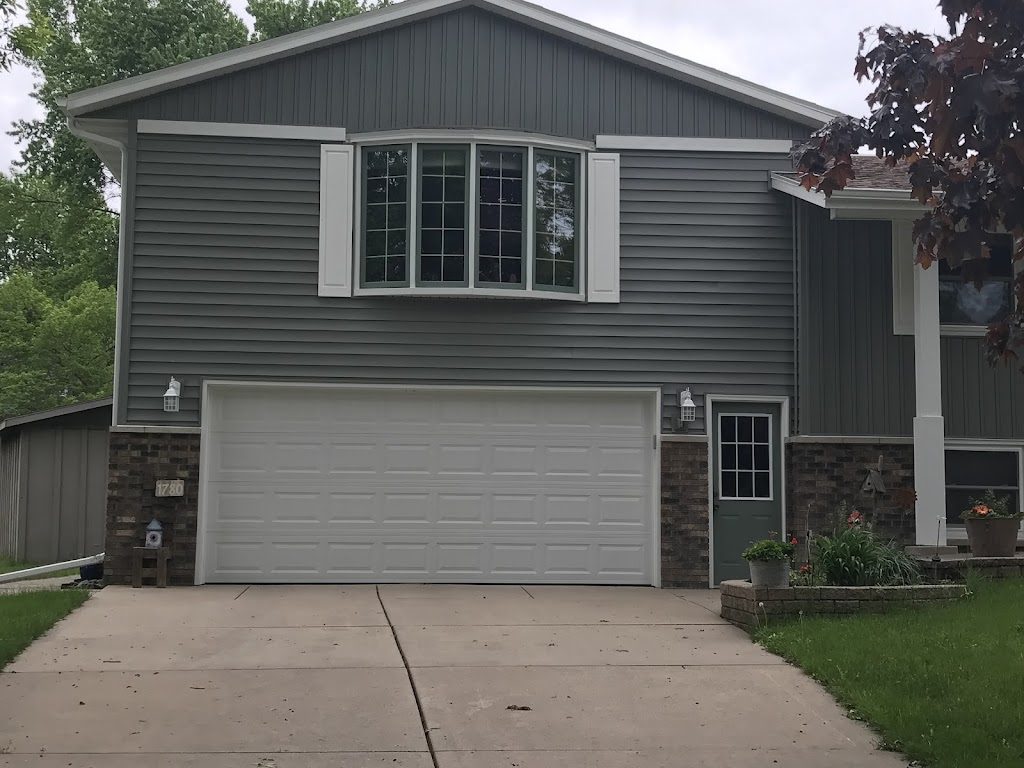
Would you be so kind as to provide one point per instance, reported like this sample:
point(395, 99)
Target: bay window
point(470, 217)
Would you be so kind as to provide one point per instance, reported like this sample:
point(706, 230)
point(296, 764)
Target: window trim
point(526, 282)
point(960, 528)
point(473, 140)
point(466, 220)
point(360, 206)
point(578, 218)
point(771, 458)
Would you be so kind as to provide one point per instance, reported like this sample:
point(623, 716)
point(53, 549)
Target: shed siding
point(465, 69)
point(224, 276)
point(855, 376)
point(65, 496)
point(10, 509)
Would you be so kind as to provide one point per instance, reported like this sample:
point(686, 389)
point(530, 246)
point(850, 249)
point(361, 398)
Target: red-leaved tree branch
point(951, 111)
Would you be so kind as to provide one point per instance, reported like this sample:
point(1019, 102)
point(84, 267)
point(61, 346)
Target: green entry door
point(746, 464)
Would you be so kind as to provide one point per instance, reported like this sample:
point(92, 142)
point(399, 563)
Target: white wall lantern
point(172, 397)
point(687, 408)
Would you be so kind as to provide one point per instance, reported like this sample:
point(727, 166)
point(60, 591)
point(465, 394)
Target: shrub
point(769, 549)
point(854, 557)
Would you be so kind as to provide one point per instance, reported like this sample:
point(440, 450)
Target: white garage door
point(329, 484)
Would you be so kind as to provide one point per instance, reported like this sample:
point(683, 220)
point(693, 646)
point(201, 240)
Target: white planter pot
point(769, 573)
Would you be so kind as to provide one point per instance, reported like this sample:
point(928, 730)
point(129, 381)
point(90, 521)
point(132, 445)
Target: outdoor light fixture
point(687, 409)
point(172, 397)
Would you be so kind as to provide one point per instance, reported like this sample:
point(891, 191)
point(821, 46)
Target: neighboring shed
point(53, 483)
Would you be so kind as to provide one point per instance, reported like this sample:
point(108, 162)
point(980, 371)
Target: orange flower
point(854, 518)
point(981, 510)
point(794, 541)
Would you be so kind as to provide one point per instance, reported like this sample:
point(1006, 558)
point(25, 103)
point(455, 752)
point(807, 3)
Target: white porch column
point(929, 430)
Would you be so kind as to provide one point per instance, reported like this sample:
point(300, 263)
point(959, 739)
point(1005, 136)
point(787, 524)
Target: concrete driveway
point(413, 677)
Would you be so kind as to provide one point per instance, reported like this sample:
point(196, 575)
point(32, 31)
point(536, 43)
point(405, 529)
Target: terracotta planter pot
point(769, 573)
point(995, 537)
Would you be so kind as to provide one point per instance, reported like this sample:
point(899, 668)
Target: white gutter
point(42, 570)
point(854, 203)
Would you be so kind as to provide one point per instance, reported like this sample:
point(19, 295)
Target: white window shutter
point(902, 278)
point(337, 185)
point(603, 227)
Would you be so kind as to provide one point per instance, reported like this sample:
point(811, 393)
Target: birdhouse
point(873, 482)
point(154, 534)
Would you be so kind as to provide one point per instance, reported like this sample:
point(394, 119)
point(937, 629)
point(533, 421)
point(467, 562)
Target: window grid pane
point(386, 245)
point(962, 302)
point(745, 457)
point(970, 474)
point(501, 217)
point(443, 215)
point(555, 198)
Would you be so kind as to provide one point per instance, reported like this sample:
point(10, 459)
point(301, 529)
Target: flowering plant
point(854, 518)
point(990, 507)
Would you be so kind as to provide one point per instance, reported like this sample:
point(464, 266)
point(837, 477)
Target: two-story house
point(469, 291)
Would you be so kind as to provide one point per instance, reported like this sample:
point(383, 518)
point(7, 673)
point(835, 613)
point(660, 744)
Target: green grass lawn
point(944, 685)
point(25, 616)
point(7, 565)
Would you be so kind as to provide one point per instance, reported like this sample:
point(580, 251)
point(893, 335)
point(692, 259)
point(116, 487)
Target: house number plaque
point(168, 488)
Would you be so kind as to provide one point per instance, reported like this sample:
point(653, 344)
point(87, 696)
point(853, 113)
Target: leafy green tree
point(273, 18)
point(77, 44)
point(54, 352)
point(7, 9)
point(63, 238)
point(950, 110)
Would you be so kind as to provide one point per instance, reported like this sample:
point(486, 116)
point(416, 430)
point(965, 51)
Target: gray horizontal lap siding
point(464, 69)
point(855, 376)
point(224, 285)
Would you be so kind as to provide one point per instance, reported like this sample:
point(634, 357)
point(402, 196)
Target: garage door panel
point(428, 485)
point(398, 559)
point(448, 506)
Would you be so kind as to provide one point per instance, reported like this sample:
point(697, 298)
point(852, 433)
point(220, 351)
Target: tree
point(62, 238)
point(951, 111)
point(54, 352)
point(272, 18)
point(7, 9)
point(77, 44)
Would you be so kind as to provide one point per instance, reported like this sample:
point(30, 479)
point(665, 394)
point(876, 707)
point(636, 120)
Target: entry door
point(746, 480)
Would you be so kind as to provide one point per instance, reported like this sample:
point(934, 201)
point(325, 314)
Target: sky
point(801, 47)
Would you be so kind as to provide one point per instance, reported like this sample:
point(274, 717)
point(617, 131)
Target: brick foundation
point(684, 514)
point(820, 476)
point(137, 461)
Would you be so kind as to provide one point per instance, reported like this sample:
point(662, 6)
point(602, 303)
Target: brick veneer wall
point(749, 607)
point(819, 476)
point(137, 461)
point(684, 514)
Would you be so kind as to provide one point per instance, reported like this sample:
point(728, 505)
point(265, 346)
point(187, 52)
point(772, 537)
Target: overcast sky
point(802, 47)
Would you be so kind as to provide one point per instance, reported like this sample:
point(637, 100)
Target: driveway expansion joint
point(412, 682)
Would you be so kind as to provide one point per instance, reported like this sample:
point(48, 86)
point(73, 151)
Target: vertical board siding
point(65, 493)
point(10, 510)
point(463, 69)
point(855, 376)
point(224, 285)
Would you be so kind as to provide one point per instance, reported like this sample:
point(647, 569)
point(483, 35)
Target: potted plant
point(992, 526)
point(769, 562)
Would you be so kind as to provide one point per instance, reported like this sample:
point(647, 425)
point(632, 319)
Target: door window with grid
point(745, 456)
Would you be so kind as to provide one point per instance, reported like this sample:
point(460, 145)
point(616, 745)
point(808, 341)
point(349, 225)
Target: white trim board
point(687, 144)
point(479, 136)
point(855, 202)
point(242, 130)
point(784, 105)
